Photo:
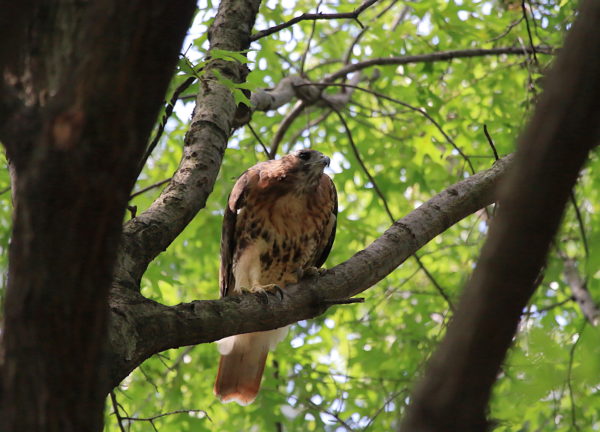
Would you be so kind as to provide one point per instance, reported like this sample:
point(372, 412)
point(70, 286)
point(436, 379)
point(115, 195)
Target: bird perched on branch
point(279, 221)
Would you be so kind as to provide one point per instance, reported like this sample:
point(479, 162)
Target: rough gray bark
point(141, 327)
point(579, 290)
point(292, 87)
point(455, 391)
point(78, 98)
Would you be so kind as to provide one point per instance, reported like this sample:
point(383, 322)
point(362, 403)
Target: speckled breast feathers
point(280, 219)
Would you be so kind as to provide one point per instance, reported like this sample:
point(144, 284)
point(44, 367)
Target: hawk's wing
point(332, 193)
point(235, 202)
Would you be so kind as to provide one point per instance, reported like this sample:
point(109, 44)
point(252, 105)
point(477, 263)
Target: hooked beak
point(322, 161)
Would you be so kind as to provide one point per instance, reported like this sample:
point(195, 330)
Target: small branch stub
point(329, 303)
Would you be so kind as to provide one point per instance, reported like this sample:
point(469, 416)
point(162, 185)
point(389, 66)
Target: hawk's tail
point(242, 364)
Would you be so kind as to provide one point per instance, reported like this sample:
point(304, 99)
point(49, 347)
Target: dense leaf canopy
point(405, 132)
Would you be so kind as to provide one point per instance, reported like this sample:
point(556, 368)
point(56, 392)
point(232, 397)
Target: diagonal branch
point(152, 327)
point(455, 391)
point(436, 57)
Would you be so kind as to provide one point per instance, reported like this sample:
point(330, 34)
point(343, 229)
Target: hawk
point(279, 221)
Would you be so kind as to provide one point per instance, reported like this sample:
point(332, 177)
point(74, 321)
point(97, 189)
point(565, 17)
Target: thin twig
point(285, 125)
point(549, 307)
point(148, 378)
point(115, 405)
point(490, 141)
point(362, 32)
point(385, 203)
point(262, 144)
point(310, 125)
point(292, 67)
point(180, 358)
point(507, 30)
point(152, 186)
point(357, 38)
point(312, 17)
point(332, 414)
point(580, 223)
point(401, 17)
point(535, 29)
point(388, 294)
point(569, 372)
point(419, 110)
point(362, 164)
point(133, 210)
point(332, 373)
point(310, 38)
point(322, 64)
point(151, 419)
point(437, 286)
point(524, 9)
point(376, 113)
point(163, 122)
point(382, 407)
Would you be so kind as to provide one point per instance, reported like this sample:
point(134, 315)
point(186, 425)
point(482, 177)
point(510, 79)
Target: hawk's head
point(306, 166)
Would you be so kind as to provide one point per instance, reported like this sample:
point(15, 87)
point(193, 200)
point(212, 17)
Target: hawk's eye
point(304, 156)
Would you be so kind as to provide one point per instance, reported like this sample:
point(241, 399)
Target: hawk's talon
point(264, 295)
point(264, 291)
point(276, 291)
point(273, 289)
point(310, 272)
point(245, 290)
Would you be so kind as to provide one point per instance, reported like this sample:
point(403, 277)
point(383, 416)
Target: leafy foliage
point(353, 368)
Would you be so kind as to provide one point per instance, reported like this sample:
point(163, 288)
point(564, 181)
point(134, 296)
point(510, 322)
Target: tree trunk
point(79, 97)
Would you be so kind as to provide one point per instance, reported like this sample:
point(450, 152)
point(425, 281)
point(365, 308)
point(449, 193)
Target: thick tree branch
point(148, 327)
point(152, 231)
point(579, 290)
point(297, 87)
point(307, 94)
point(566, 124)
point(288, 88)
